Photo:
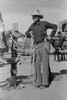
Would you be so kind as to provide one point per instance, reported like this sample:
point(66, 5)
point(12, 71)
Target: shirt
point(39, 30)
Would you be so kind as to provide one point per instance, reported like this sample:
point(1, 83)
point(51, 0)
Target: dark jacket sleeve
point(53, 27)
point(27, 33)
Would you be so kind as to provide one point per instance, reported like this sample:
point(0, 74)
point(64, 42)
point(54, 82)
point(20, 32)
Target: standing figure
point(41, 46)
point(62, 34)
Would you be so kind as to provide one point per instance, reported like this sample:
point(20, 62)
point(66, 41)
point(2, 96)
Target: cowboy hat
point(37, 14)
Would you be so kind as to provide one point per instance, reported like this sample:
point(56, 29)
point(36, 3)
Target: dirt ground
point(56, 91)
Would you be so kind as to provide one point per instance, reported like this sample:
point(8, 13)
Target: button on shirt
point(40, 30)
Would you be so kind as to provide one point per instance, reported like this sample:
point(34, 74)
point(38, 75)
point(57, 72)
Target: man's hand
point(31, 33)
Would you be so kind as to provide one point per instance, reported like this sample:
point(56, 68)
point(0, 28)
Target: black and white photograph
point(33, 49)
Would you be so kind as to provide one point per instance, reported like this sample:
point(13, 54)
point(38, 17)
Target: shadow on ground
point(27, 80)
point(55, 76)
point(58, 76)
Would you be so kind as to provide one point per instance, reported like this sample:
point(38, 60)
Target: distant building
point(15, 27)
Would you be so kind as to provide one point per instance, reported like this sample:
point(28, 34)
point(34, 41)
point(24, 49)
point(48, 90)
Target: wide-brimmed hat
point(37, 13)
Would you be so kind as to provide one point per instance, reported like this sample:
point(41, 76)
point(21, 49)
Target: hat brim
point(40, 16)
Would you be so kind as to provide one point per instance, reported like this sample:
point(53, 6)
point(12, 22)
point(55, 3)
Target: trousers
point(42, 77)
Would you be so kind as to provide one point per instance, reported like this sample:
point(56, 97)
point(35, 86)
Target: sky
point(20, 11)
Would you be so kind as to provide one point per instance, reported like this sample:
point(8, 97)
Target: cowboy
point(41, 46)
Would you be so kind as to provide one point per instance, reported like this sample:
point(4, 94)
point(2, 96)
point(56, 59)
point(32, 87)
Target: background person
point(62, 34)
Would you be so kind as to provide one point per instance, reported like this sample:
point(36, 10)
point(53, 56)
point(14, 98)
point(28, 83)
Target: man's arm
point(53, 27)
point(28, 32)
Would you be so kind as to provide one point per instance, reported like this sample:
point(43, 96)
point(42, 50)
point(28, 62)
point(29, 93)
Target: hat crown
point(36, 12)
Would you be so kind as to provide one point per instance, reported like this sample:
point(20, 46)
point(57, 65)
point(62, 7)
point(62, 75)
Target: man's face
point(65, 29)
point(35, 19)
